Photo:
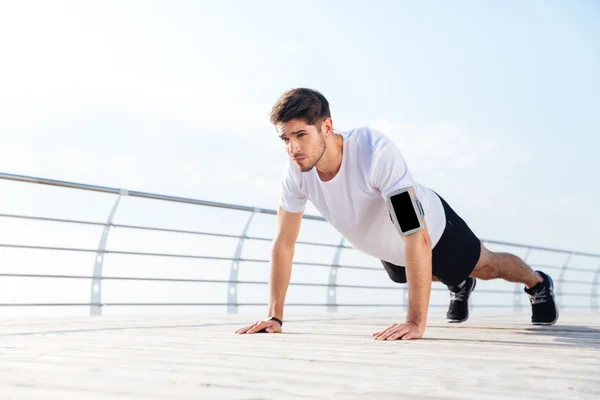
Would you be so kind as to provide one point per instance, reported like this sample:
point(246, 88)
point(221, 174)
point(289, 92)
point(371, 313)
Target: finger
point(378, 334)
point(247, 328)
point(382, 335)
point(386, 333)
point(398, 331)
point(254, 328)
point(258, 327)
point(399, 334)
point(410, 335)
point(244, 329)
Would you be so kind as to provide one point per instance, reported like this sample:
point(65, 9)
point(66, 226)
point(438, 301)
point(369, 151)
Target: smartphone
point(406, 211)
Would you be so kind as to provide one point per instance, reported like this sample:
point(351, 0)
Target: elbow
point(282, 245)
point(425, 241)
point(419, 241)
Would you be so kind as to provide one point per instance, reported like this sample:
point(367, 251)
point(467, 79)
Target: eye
point(300, 135)
point(284, 139)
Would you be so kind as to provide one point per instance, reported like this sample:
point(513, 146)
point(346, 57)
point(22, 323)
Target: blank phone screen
point(405, 212)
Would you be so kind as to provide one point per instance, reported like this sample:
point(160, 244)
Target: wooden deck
point(321, 357)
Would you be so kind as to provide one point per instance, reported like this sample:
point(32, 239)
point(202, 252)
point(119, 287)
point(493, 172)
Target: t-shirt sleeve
point(390, 171)
point(292, 196)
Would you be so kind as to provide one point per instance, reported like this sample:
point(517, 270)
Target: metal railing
point(331, 287)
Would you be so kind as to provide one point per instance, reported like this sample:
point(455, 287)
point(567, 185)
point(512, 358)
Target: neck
point(330, 163)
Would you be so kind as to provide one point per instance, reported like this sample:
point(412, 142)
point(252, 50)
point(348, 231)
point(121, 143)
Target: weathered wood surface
point(321, 357)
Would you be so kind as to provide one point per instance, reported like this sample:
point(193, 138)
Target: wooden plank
point(491, 356)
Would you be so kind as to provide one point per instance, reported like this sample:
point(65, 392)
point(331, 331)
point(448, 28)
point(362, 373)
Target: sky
point(495, 105)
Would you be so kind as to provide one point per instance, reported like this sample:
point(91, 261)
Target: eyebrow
point(294, 133)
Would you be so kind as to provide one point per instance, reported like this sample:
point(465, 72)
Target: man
point(348, 176)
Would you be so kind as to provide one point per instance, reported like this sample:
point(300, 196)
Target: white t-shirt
point(354, 200)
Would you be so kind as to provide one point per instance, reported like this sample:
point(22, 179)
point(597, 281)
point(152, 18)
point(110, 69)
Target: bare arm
point(418, 276)
point(282, 254)
point(418, 258)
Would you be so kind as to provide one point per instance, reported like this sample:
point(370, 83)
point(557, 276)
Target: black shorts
point(453, 257)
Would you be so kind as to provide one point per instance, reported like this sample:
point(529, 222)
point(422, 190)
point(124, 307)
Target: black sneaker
point(459, 301)
point(543, 306)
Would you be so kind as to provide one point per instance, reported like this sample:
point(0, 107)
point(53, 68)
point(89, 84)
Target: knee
point(486, 272)
point(488, 265)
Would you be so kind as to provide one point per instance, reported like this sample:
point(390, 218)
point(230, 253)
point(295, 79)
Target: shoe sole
point(555, 306)
point(458, 321)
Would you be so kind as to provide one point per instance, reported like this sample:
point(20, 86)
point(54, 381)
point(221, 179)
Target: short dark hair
point(300, 103)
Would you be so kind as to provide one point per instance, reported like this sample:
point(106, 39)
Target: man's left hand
point(406, 331)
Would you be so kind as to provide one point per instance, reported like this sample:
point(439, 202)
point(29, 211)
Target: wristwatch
point(280, 322)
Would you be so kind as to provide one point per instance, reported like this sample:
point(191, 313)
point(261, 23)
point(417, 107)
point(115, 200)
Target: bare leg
point(505, 266)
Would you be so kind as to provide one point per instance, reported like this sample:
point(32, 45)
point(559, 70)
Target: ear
point(327, 127)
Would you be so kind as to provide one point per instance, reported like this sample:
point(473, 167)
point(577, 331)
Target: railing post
point(332, 285)
point(232, 291)
point(518, 293)
point(561, 277)
point(594, 293)
point(96, 288)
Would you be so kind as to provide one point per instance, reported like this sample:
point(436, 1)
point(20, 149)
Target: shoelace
point(538, 297)
point(459, 296)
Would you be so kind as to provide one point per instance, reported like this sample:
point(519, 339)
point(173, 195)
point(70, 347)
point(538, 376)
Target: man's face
point(303, 143)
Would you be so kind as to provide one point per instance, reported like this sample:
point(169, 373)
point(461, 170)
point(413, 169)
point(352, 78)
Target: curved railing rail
point(97, 302)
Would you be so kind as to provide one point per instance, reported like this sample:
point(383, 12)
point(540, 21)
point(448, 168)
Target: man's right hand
point(270, 326)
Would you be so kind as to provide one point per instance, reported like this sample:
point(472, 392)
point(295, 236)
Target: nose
point(293, 147)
